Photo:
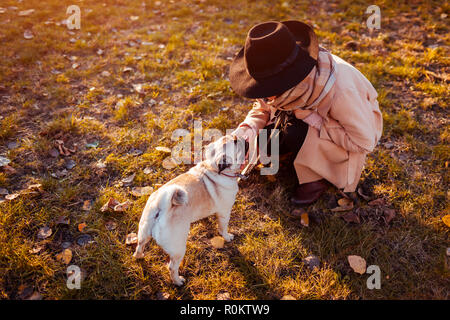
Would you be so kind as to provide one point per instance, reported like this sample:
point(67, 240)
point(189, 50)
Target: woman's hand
point(246, 132)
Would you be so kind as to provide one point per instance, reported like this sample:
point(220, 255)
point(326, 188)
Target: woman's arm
point(256, 119)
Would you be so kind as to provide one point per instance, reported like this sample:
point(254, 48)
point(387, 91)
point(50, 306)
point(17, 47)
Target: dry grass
point(180, 52)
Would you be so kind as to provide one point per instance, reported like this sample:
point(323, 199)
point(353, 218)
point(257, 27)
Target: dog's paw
point(138, 255)
point(180, 281)
point(228, 237)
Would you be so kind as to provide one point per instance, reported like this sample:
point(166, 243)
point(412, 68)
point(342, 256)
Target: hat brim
point(247, 86)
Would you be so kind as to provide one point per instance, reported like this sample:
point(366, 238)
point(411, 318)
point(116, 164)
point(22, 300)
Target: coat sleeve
point(258, 117)
point(351, 123)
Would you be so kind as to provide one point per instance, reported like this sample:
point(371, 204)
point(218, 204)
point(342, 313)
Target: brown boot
point(308, 193)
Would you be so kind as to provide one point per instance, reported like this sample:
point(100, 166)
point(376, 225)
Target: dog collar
point(237, 175)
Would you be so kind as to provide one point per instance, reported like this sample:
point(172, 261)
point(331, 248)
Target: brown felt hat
point(276, 57)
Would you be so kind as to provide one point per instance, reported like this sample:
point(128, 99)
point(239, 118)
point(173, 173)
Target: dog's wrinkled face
point(227, 153)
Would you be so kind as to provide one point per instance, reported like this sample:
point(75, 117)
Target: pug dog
point(208, 188)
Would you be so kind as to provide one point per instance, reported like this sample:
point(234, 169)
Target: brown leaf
point(82, 226)
point(446, 220)
point(169, 163)
point(362, 195)
point(296, 213)
point(223, 296)
point(141, 191)
point(12, 196)
point(288, 297)
point(345, 202)
point(304, 219)
point(110, 225)
point(123, 206)
point(44, 232)
point(131, 238)
point(35, 296)
point(377, 202)
point(63, 220)
point(357, 263)
point(24, 291)
point(65, 256)
point(128, 179)
point(389, 214)
point(87, 205)
point(218, 242)
point(36, 249)
point(350, 217)
point(109, 205)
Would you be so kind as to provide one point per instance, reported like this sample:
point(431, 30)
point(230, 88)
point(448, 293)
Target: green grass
point(183, 72)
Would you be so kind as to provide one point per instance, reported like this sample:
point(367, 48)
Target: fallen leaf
point(304, 220)
point(138, 88)
point(223, 296)
point(345, 202)
point(110, 225)
point(54, 153)
point(44, 232)
point(87, 205)
point(446, 220)
point(70, 164)
point(162, 295)
point(163, 149)
point(35, 186)
point(100, 164)
point(141, 191)
point(82, 226)
point(340, 209)
point(65, 256)
point(169, 163)
point(4, 161)
point(135, 152)
point(362, 195)
point(129, 179)
point(35, 296)
point(36, 249)
point(357, 263)
point(131, 238)
point(109, 205)
point(3, 191)
point(296, 213)
point(389, 214)
point(25, 13)
point(84, 239)
point(28, 35)
point(351, 217)
point(377, 202)
point(148, 170)
point(288, 297)
point(92, 144)
point(12, 196)
point(218, 242)
point(123, 206)
point(9, 169)
point(312, 262)
point(62, 220)
point(24, 291)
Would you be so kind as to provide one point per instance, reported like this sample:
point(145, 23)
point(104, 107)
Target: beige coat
point(351, 128)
